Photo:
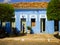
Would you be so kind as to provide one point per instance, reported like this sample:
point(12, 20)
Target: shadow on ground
point(57, 36)
point(12, 35)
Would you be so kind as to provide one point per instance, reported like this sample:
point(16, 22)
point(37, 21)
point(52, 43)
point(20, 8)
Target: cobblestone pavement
point(31, 39)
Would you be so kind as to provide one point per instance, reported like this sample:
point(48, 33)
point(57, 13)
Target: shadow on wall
point(31, 32)
point(2, 32)
point(15, 31)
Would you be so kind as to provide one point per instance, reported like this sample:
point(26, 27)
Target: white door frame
point(42, 16)
point(23, 16)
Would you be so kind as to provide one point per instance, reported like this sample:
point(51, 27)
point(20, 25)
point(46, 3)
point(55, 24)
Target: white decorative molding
point(42, 16)
point(23, 16)
point(33, 16)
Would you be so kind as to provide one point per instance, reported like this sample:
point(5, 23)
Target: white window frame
point(25, 16)
point(33, 16)
point(42, 16)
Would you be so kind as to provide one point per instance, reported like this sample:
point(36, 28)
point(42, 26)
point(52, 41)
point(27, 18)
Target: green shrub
point(29, 27)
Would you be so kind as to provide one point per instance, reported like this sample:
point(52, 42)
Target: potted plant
point(29, 29)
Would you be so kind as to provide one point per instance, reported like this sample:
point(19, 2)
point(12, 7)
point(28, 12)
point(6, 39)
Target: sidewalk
point(33, 37)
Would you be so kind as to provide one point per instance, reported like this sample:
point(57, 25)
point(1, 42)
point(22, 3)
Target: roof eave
point(28, 8)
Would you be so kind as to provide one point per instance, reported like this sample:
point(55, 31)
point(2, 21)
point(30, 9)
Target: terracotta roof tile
point(30, 5)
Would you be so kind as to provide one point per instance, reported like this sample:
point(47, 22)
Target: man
point(23, 27)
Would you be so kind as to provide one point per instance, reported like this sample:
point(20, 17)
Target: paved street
point(34, 39)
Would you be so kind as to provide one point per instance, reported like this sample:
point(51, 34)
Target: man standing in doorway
point(23, 27)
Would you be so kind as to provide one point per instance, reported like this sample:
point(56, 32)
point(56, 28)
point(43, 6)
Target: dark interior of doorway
point(56, 25)
point(33, 22)
point(42, 25)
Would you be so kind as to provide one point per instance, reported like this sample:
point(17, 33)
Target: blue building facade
point(36, 16)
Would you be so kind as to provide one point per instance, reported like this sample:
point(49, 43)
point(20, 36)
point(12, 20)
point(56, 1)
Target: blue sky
point(1, 0)
point(23, 0)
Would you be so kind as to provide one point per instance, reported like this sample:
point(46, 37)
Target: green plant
point(29, 27)
point(6, 12)
point(53, 10)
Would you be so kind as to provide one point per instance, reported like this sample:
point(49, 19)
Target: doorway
point(33, 22)
point(23, 25)
point(42, 25)
point(56, 25)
